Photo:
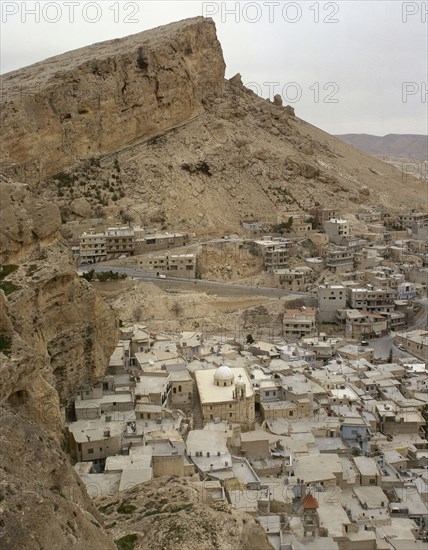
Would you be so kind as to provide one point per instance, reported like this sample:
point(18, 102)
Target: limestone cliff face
point(27, 222)
point(61, 333)
point(56, 334)
point(98, 99)
point(43, 502)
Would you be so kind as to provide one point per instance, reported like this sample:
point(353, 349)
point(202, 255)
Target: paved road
point(421, 320)
point(210, 287)
point(383, 346)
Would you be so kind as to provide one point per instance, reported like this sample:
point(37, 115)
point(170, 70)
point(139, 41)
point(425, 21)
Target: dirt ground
point(136, 301)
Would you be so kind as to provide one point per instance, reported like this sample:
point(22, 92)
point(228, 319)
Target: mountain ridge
point(395, 145)
point(156, 106)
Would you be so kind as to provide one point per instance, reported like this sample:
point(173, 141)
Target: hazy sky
point(345, 66)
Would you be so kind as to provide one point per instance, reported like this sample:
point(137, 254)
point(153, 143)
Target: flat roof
point(366, 466)
point(150, 384)
point(210, 393)
point(206, 441)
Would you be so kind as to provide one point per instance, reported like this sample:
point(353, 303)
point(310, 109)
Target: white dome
point(223, 373)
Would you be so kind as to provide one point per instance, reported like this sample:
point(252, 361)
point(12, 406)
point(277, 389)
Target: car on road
point(400, 346)
point(364, 343)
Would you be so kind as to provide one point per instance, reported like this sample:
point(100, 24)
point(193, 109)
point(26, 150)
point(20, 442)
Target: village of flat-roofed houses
point(316, 424)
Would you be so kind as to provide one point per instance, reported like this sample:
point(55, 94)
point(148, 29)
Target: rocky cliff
point(60, 332)
point(55, 335)
point(149, 123)
point(99, 99)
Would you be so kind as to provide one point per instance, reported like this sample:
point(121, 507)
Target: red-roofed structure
point(309, 502)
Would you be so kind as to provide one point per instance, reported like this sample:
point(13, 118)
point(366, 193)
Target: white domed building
point(226, 394)
point(224, 376)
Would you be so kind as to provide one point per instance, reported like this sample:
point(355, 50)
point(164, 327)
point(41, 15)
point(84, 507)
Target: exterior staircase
point(197, 409)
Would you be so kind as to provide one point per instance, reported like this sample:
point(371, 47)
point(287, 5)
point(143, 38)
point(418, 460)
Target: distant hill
point(411, 146)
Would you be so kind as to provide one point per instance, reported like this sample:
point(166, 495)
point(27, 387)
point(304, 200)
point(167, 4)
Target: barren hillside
point(148, 123)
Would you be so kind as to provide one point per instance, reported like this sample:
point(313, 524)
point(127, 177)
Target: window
point(174, 390)
point(211, 416)
point(90, 451)
point(179, 388)
point(230, 415)
point(290, 413)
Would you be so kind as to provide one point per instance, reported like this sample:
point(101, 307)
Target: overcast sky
point(345, 66)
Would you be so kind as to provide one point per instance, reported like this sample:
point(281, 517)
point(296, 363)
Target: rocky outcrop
point(101, 98)
point(43, 503)
point(28, 223)
point(55, 335)
point(149, 118)
point(61, 332)
point(177, 514)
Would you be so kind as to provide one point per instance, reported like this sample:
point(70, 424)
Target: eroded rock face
point(177, 514)
point(61, 333)
point(56, 334)
point(101, 98)
point(155, 109)
point(27, 222)
point(43, 502)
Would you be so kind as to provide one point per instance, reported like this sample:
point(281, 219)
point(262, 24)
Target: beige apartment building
point(119, 241)
point(276, 252)
point(337, 230)
point(415, 342)
point(298, 279)
point(298, 323)
point(157, 241)
point(95, 440)
point(176, 265)
point(226, 394)
point(93, 247)
point(330, 299)
point(321, 215)
point(372, 300)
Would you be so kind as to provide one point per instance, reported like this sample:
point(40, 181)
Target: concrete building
point(157, 241)
point(420, 231)
point(276, 252)
point(119, 241)
point(321, 215)
point(93, 247)
point(95, 440)
point(406, 291)
point(298, 279)
point(371, 299)
point(415, 342)
point(337, 230)
point(368, 471)
point(360, 325)
point(330, 299)
point(176, 265)
point(226, 394)
point(298, 323)
point(340, 259)
point(181, 395)
point(410, 218)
